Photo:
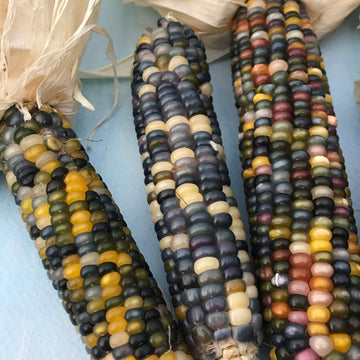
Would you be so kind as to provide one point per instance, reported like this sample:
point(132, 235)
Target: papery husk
point(327, 15)
point(212, 18)
point(42, 44)
point(231, 350)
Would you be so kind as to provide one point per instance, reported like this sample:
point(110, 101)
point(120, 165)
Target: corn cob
point(104, 282)
point(321, 216)
point(201, 236)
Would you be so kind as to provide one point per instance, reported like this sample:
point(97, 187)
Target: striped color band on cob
point(89, 254)
point(196, 218)
point(301, 220)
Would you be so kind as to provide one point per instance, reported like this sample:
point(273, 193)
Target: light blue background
point(33, 324)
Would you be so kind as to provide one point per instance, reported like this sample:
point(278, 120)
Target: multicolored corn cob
point(202, 241)
point(301, 221)
point(85, 245)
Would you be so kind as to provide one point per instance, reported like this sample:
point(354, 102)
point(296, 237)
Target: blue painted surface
point(33, 324)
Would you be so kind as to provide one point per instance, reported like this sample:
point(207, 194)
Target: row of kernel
point(294, 338)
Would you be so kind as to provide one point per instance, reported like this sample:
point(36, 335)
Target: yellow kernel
point(115, 313)
point(108, 256)
point(83, 227)
point(341, 342)
point(80, 216)
point(117, 326)
point(260, 97)
point(319, 161)
point(53, 143)
point(26, 205)
point(75, 196)
point(328, 98)
point(144, 40)
point(90, 340)
point(74, 186)
point(180, 311)
point(110, 279)
point(152, 357)
point(95, 305)
point(320, 233)
point(169, 355)
point(317, 328)
point(259, 161)
point(273, 354)
point(42, 210)
point(72, 271)
point(111, 291)
point(33, 152)
point(249, 125)
point(318, 313)
point(135, 327)
point(279, 233)
point(66, 124)
point(75, 283)
point(319, 130)
point(237, 82)
point(71, 259)
point(123, 259)
point(355, 268)
point(73, 176)
point(42, 253)
point(50, 166)
point(320, 245)
point(314, 71)
point(263, 131)
point(133, 302)
point(100, 329)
